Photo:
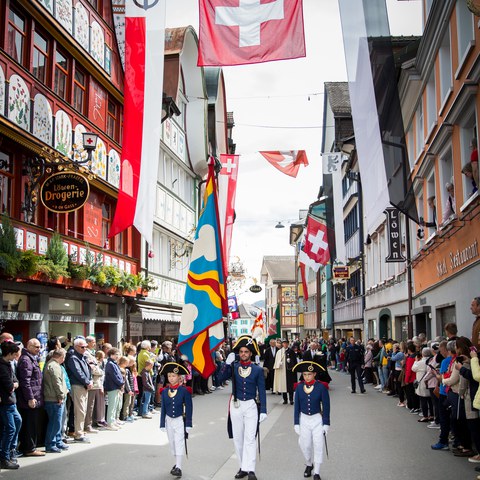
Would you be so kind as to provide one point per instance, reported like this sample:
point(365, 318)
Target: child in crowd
point(176, 415)
point(148, 388)
point(124, 394)
point(113, 385)
point(341, 361)
point(133, 369)
point(98, 376)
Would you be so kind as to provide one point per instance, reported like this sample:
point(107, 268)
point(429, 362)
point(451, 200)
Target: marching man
point(176, 414)
point(247, 382)
point(311, 415)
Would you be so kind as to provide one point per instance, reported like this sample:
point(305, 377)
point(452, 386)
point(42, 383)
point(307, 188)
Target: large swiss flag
point(238, 32)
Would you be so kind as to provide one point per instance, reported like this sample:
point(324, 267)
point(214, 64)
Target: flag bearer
point(176, 414)
point(311, 415)
point(248, 381)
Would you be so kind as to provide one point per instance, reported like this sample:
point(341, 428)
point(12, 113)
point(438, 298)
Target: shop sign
point(255, 288)
point(394, 236)
point(456, 259)
point(341, 273)
point(64, 192)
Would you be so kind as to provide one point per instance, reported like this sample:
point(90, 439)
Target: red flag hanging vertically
point(238, 32)
point(144, 50)
point(303, 275)
point(315, 251)
point(227, 187)
point(288, 162)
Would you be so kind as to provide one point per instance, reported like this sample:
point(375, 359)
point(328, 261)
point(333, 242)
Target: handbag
point(436, 391)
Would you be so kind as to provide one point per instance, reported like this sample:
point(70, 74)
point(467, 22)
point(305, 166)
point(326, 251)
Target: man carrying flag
point(247, 382)
point(201, 326)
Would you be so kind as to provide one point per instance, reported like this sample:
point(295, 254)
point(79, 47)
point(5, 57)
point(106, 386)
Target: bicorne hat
point(172, 367)
point(308, 366)
point(248, 342)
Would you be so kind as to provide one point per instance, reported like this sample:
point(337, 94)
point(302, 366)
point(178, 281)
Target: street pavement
point(370, 437)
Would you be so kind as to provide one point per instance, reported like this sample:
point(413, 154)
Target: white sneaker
point(111, 427)
point(220, 387)
point(378, 387)
point(212, 389)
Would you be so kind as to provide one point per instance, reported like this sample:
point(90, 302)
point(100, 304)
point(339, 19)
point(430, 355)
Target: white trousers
point(176, 435)
point(311, 440)
point(244, 427)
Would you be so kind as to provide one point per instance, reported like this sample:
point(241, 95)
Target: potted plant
point(9, 255)
point(55, 262)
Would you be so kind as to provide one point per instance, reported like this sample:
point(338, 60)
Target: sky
point(279, 106)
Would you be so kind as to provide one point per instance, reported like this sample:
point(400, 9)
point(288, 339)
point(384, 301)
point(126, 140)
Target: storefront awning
point(158, 315)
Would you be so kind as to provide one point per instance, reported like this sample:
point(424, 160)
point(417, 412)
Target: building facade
point(61, 76)
point(441, 108)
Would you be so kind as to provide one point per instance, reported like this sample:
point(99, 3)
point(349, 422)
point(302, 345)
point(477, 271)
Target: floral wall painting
point(48, 4)
point(64, 13)
point(78, 151)
point(20, 237)
point(97, 45)
point(42, 119)
point(63, 133)
point(114, 168)
point(31, 241)
point(99, 161)
point(119, 21)
point(42, 244)
point(19, 102)
point(81, 25)
point(2, 91)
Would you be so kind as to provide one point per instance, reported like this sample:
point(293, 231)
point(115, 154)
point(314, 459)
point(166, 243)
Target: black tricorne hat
point(308, 366)
point(172, 367)
point(248, 342)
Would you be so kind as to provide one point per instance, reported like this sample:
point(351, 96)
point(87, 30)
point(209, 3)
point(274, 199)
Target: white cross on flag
point(315, 250)
point(239, 32)
point(288, 162)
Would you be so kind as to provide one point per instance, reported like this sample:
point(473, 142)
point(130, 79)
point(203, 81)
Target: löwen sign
point(64, 192)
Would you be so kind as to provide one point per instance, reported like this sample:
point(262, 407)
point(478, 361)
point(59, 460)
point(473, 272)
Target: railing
point(349, 310)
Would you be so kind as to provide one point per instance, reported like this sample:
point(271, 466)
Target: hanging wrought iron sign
point(255, 288)
point(64, 192)
point(394, 236)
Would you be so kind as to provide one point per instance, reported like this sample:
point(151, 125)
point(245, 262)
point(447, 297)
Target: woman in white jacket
point(421, 389)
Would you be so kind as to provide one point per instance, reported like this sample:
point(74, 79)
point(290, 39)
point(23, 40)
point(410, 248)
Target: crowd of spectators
point(81, 389)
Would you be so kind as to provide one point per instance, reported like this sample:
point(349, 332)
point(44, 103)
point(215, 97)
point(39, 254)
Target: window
point(112, 120)
point(17, 32)
point(65, 306)
point(79, 90)
point(410, 147)
point(431, 102)
point(445, 57)
point(465, 30)
point(350, 224)
point(15, 302)
point(354, 285)
point(40, 57)
point(60, 85)
point(6, 176)
point(106, 220)
point(95, 4)
point(419, 128)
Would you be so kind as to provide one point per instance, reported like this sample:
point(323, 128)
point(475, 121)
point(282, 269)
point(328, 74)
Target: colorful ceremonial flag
point(258, 325)
point(227, 188)
point(233, 307)
point(376, 110)
point(144, 52)
point(288, 162)
point(315, 251)
point(238, 32)
point(201, 326)
point(274, 328)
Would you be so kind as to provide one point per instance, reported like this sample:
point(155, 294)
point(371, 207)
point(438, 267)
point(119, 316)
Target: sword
point(326, 444)
point(185, 436)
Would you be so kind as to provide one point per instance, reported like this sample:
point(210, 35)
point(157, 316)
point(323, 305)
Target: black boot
point(308, 471)
point(176, 472)
point(241, 474)
point(316, 477)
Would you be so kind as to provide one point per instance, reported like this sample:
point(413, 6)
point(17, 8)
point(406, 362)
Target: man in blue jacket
point(81, 380)
point(247, 381)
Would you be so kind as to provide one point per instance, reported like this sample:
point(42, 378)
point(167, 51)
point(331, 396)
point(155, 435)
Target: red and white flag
point(288, 162)
point(227, 188)
point(142, 128)
point(315, 251)
point(303, 274)
point(239, 32)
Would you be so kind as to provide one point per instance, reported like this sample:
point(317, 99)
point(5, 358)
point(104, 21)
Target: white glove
point(188, 429)
point(325, 429)
point(263, 416)
point(230, 358)
point(297, 429)
point(163, 429)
